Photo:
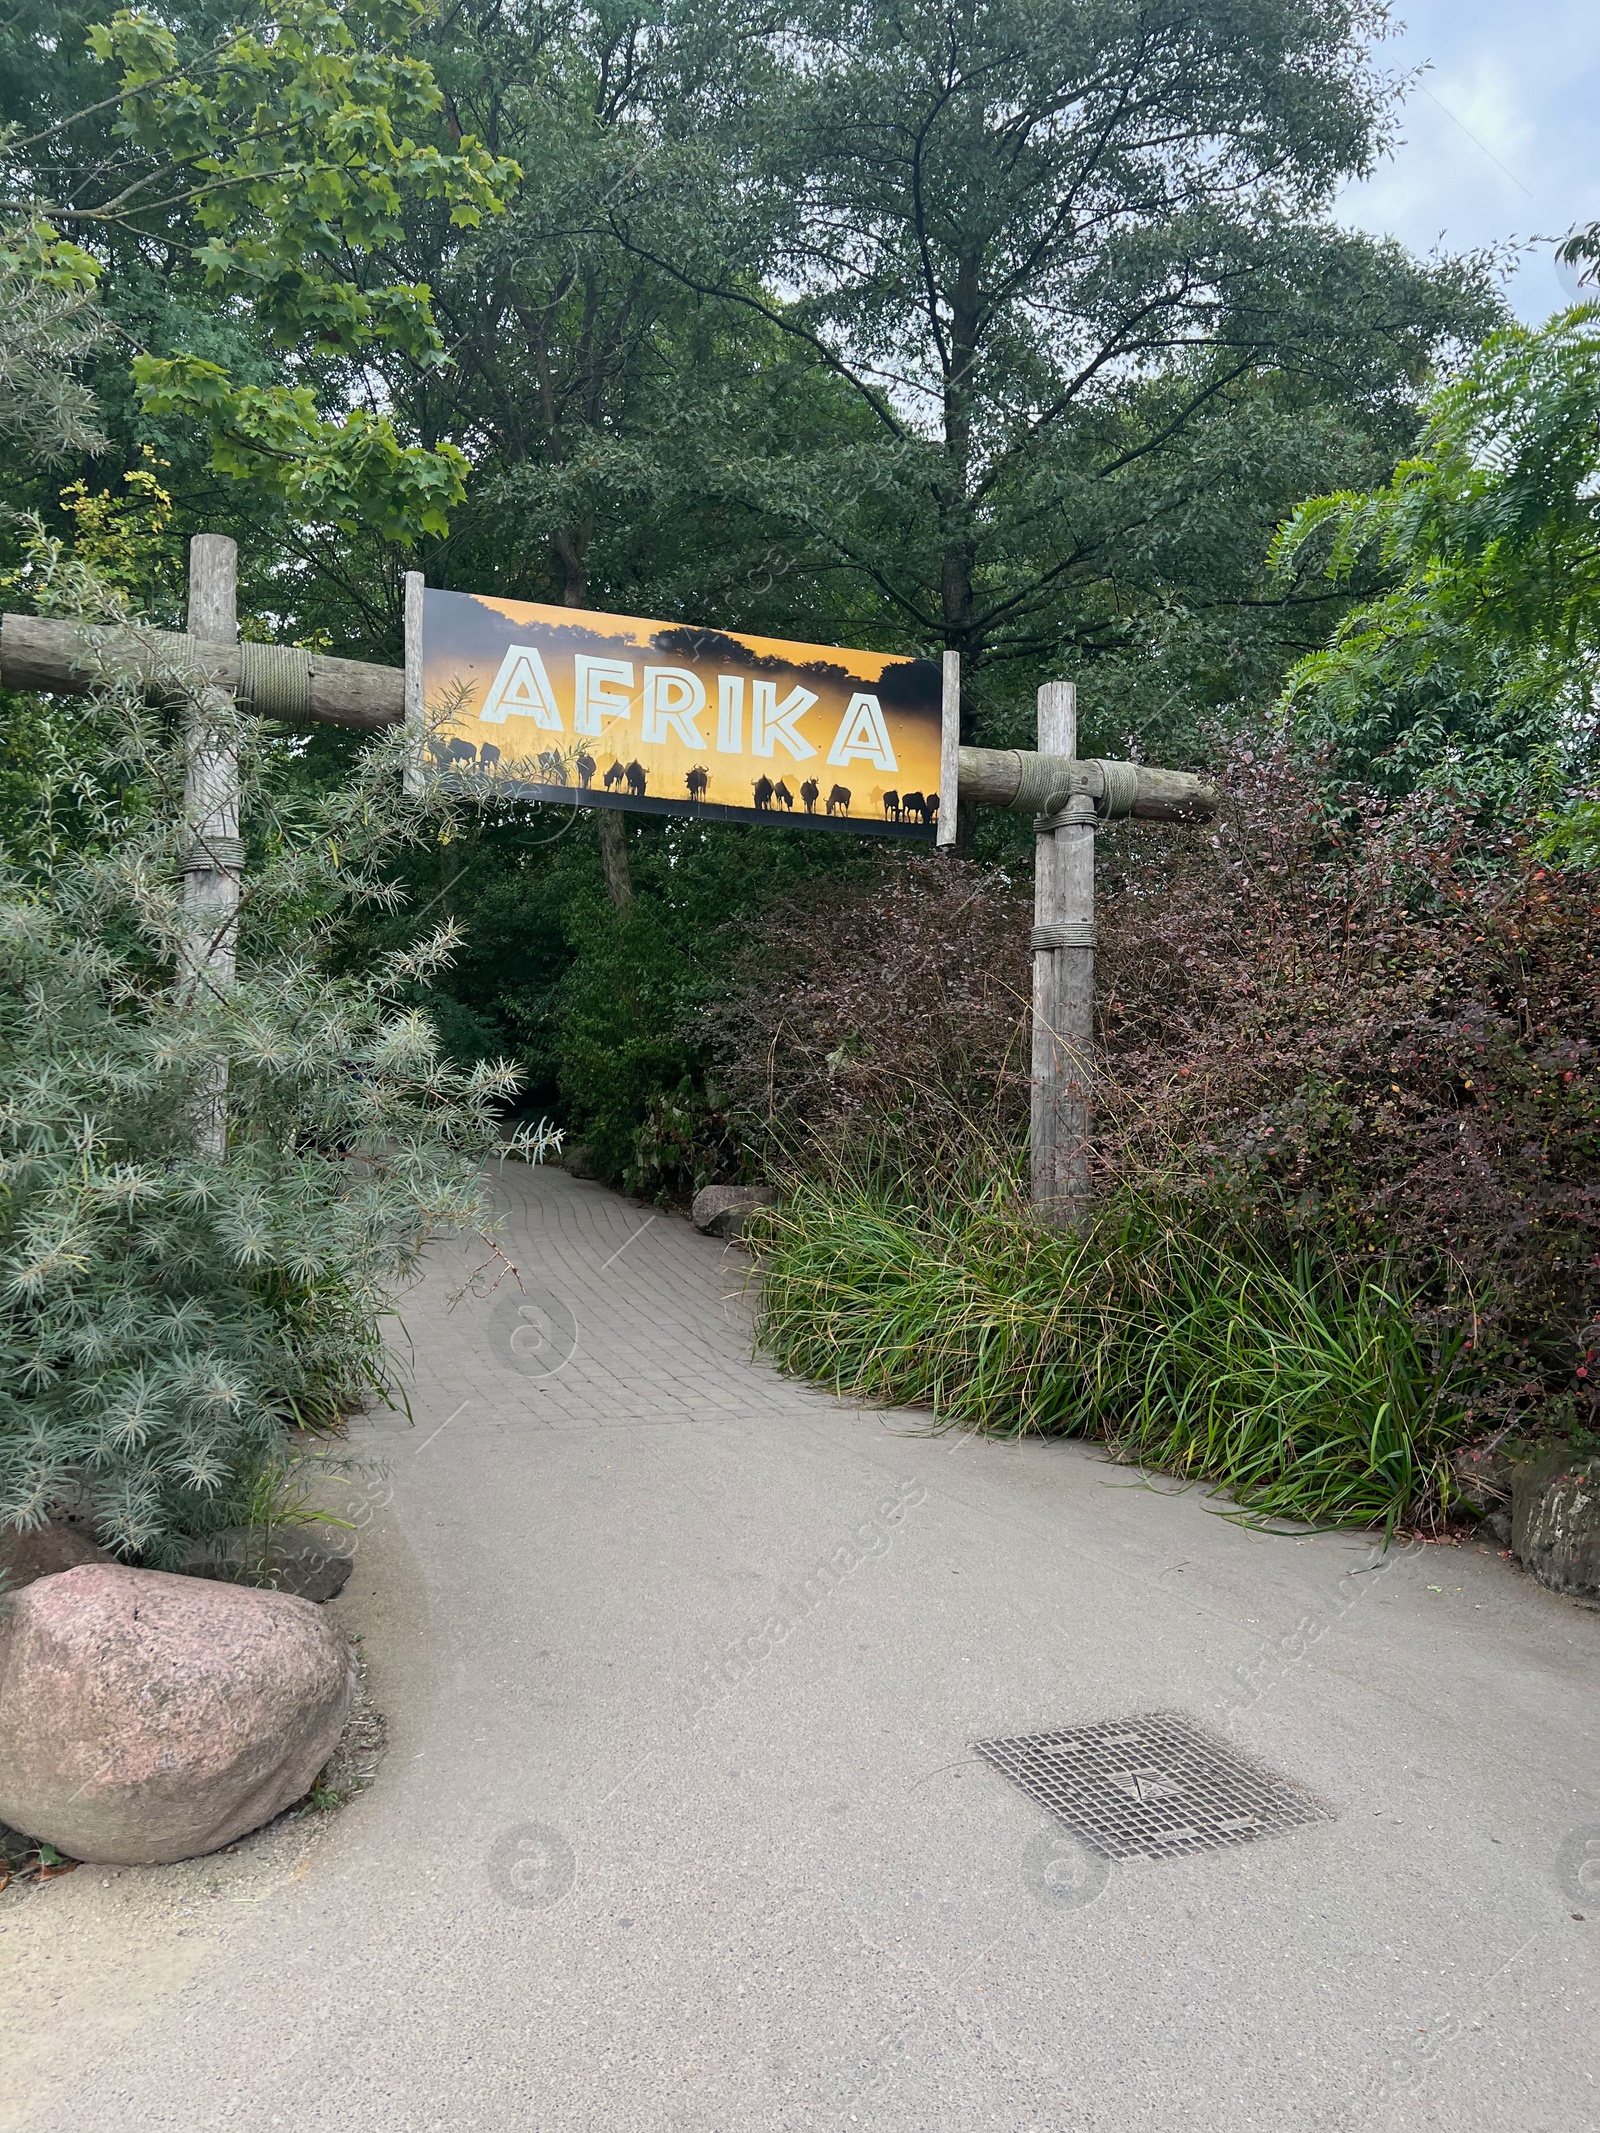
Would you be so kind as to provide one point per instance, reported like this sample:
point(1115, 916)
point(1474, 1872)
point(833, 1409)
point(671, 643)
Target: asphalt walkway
point(681, 1828)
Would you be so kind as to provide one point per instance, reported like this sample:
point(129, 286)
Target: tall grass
point(1305, 1392)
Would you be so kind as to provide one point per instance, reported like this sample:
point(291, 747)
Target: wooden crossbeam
point(278, 680)
point(1067, 798)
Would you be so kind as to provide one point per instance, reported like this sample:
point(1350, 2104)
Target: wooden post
point(949, 751)
point(415, 711)
point(212, 857)
point(1063, 981)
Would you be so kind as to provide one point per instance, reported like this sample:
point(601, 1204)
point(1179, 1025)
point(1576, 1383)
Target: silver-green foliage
point(166, 1314)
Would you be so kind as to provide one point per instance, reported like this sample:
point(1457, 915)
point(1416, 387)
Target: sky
point(1499, 140)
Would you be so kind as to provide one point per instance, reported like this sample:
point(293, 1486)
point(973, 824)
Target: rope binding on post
point(276, 680)
point(1045, 784)
point(1120, 791)
point(212, 855)
point(1071, 933)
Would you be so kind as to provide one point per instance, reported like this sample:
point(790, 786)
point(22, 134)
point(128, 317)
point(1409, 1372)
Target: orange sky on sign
point(639, 632)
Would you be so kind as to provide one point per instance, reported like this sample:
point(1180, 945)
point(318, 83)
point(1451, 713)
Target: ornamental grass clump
point(1306, 1394)
point(966, 1308)
point(167, 1313)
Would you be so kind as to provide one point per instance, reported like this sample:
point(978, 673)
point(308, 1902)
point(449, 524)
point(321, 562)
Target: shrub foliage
point(165, 1313)
point(1363, 1031)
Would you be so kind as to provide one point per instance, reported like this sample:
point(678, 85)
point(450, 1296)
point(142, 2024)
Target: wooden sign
point(560, 705)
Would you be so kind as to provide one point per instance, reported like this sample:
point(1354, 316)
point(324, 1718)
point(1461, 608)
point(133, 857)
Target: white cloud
point(1500, 138)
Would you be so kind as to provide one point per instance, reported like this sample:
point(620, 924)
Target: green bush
point(167, 1313)
point(1306, 1394)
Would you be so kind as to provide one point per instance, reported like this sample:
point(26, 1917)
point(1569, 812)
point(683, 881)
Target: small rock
point(578, 1162)
point(1555, 1522)
point(42, 1551)
point(151, 1717)
point(720, 1210)
point(281, 1558)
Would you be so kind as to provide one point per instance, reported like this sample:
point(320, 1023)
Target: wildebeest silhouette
point(697, 780)
point(808, 793)
point(910, 806)
point(613, 777)
point(891, 807)
point(930, 808)
point(461, 752)
point(488, 754)
point(763, 792)
point(782, 794)
point(839, 800)
point(555, 771)
point(635, 777)
point(586, 770)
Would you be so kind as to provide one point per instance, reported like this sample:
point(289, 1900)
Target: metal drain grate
point(1154, 1787)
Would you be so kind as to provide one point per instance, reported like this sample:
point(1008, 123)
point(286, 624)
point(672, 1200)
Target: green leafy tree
point(568, 352)
point(1047, 249)
point(1477, 663)
point(270, 165)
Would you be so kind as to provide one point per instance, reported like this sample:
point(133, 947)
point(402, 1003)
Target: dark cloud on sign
point(907, 684)
point(911, 685)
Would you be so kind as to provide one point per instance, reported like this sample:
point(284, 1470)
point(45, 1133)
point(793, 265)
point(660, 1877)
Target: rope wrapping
point(276, 680)
point(1121, 789)
point(1071, 933)
point(217, 855)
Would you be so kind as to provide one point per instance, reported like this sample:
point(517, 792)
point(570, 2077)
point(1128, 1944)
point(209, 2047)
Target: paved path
point(680, 1827)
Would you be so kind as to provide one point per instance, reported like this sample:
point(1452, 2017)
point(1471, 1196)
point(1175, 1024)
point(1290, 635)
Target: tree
point(1043, 245)
point(270, 163)
point(1477, 664)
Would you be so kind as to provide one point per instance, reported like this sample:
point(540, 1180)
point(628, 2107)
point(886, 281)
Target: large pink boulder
point(145, 1717)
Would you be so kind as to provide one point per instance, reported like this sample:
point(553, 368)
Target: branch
point(774, 317)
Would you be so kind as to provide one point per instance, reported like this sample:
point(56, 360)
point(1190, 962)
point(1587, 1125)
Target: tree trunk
point(568, 545)
point(614, 855)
